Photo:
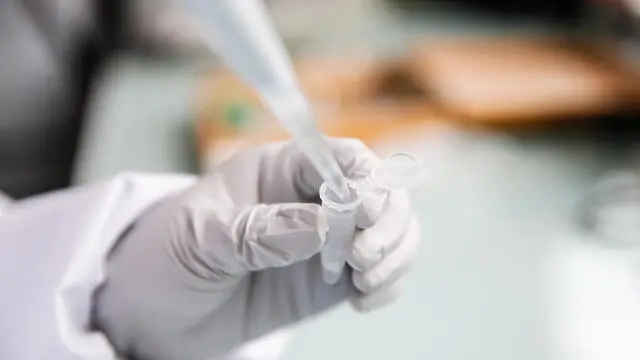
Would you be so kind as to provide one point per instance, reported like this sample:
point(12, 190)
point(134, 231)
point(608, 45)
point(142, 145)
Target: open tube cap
point(399, 171)
point(332, 201)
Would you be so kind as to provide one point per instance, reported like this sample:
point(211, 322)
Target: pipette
point(398, 171)
point(242, 34)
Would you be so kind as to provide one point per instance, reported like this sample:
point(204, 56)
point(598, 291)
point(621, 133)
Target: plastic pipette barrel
point(398, 171)
point(242, 34)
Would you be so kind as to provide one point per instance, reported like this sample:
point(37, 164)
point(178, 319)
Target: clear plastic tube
point(341, 218)
point(398, 171)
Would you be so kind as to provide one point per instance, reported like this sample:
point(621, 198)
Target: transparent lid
point(399, 171)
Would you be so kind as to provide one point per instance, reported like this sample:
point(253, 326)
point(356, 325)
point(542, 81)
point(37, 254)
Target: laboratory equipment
point(341, 219)
point(243, 35)
point(397, 172)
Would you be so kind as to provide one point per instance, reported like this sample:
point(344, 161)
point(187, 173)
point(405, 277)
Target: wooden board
point(371, 123)
point(522, 80)
point(345, 93)
point(497, 82)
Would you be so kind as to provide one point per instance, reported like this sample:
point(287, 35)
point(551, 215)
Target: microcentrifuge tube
point(398, 171)
point(341, 219)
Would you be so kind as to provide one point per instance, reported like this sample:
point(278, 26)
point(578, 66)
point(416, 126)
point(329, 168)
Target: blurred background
point(531, 211)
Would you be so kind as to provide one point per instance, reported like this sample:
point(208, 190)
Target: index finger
point(354, 158)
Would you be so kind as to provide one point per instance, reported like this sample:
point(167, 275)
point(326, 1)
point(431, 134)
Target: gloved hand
point(236, 257)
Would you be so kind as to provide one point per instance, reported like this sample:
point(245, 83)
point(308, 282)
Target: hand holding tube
point(397, 172)
point(235, 257)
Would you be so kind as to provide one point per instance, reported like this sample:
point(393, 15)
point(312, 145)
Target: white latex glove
point(236, 257)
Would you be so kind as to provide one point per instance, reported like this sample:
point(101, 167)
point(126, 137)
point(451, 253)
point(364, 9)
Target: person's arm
point(236, 257)
point(52, 251)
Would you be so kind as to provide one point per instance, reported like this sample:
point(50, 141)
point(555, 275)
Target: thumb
point(278, 235)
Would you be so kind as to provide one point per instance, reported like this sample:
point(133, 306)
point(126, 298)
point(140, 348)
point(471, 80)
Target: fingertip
point(354, 157)
point(363, 260)
point(313, 217)
point(390, 223)
point(362, 256)
point(371, 209)
point(378, 270)
point(308, 214)
point(360, 282)
point(288, 233)
point(365, 303)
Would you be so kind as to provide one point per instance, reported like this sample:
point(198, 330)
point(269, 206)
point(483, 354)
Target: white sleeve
point(53, 250)
point(52, 255)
